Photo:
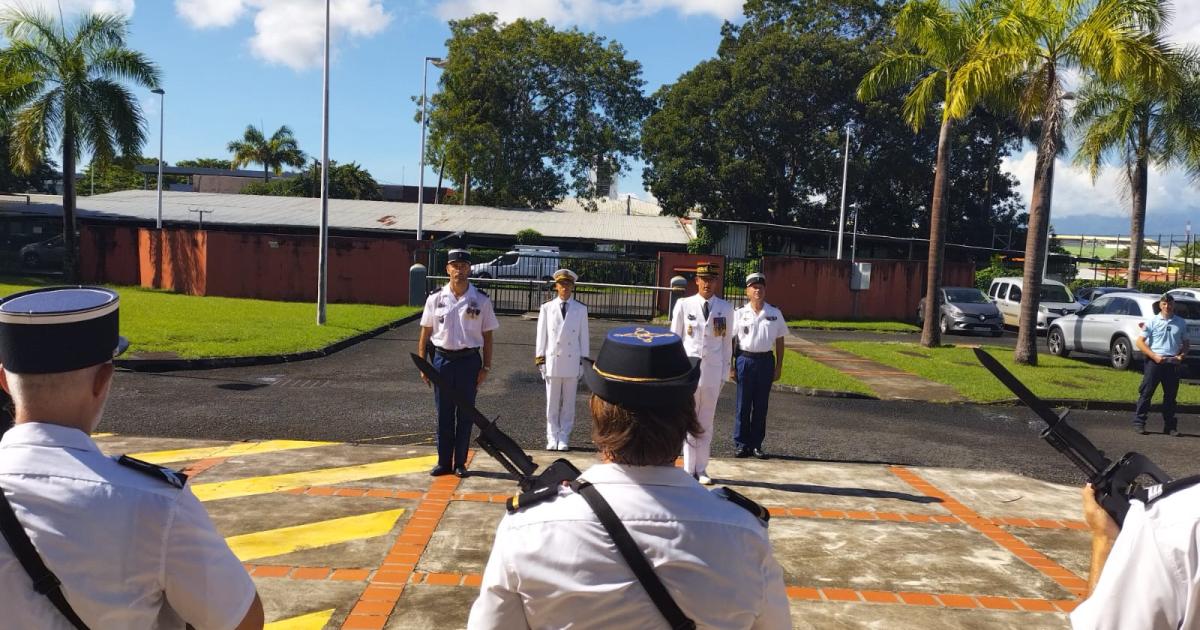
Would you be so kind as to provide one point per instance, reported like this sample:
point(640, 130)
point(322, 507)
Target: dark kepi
point(456, 255)
point(59, 329)
point(642, 366)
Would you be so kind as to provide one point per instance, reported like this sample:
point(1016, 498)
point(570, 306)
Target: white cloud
point(290, 33)
point(1075, 194)
point(1185, 27)
point(564, 12)
point(71, 7)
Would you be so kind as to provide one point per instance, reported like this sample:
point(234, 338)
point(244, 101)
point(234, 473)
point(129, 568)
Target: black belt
point(758, 355)
point(455, 354)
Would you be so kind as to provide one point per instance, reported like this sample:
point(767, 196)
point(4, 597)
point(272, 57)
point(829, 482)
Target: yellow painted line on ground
point(276, 542)
point(311, 621)
point(228, 450)
point(328, 476)
point(102, 435)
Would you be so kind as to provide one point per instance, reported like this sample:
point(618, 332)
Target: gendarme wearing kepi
point(759, 330)
point(59, 329)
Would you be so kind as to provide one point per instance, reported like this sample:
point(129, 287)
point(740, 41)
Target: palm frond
point(36, 127)
point(122, 63)
point(896, 69)
point(919, 101)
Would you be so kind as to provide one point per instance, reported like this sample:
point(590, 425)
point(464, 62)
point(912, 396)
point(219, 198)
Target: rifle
point(1114, 482)
point(499, 445)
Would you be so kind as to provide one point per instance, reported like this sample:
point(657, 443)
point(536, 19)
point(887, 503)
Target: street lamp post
point(437, 61)
point(162, 99)
point(845, 173)
point(323, 249)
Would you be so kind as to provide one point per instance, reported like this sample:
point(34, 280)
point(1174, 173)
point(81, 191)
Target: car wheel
point(1120, 353)
point(1057, 343)
point(943, 325)
point(30, 260)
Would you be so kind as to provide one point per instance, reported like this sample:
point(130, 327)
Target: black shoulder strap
point(1150, 494)
point(161, 473)
point(634, 556)
point(44, 580)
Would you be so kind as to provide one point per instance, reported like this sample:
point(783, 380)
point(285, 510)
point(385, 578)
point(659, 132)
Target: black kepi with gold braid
point(59, 329)
point(642, 366)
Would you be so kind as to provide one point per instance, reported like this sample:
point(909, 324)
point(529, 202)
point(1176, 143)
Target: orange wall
point(813, 288)
point(109, 254)
point(671, 264)
point(173, 259)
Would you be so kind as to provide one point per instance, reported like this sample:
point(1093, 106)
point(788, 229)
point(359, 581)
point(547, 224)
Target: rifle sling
point(44, 580)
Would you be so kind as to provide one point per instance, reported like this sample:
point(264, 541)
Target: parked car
point(1054, 301)
point(524, 261)
point(1111, 325)
point(1086, 295)
point(965, 309)
point(48, 253)
point(1186, 293)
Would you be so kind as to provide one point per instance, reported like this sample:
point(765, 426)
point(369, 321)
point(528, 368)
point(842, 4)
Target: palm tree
point(1141, 124)
point(65, 86)
point(272, 153)
point(1039, 41)
point(932, 43)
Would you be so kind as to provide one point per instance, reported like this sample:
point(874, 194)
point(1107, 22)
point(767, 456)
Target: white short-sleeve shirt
point(553, 565)
point(1151, 580)
point(757, 332)
point(130, 550)
point(458, 322)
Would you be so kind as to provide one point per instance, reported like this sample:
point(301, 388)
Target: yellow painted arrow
point(311, 621)
point(327, 476)
point(276, 542)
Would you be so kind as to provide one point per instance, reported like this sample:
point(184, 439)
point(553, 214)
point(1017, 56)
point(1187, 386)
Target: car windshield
point(965, 296)
point(1186, 309)
point(1054, 293)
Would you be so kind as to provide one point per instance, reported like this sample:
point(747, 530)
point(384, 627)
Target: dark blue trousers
point(1155, 373)
point(454, 427)
point(754, 378)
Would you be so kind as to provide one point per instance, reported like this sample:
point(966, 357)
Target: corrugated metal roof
point(349, 214)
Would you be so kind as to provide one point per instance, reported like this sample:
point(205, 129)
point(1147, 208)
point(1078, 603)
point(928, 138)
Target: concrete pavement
point(343, 535)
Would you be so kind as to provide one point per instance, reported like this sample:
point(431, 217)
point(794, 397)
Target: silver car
point(965, 309)
point(1111, 324)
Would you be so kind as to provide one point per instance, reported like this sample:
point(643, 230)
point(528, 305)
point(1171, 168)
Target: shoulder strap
point(160, 473)
point(44, 580)
point(1150, 494)
point(634, 557)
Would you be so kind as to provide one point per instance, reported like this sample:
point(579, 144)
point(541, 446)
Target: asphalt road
point(372, 393)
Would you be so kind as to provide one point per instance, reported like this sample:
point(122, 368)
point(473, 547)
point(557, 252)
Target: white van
point(535, 262)
point(1054, 302)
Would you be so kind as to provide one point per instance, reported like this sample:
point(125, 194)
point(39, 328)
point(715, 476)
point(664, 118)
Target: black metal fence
point(618, 301)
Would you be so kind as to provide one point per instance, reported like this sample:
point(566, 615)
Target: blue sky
point(230, 63)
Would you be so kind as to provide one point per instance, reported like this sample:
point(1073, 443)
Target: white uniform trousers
point(560, 409)
point(696, 447)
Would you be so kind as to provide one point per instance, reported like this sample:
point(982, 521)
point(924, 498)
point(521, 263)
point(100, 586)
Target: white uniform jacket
point(1151, 580)
point(757, 332)
point(458, 323)
point(562, 343)
point(131, 550)
point(711, 341)
point(713, 556)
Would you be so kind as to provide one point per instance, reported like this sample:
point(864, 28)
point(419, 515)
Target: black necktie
point(564, 309)
point(705, 310)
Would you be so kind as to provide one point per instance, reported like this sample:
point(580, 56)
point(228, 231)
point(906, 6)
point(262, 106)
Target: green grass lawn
point(193, 327)
point(1053, 377)
point(873, 326)
point(801, 371)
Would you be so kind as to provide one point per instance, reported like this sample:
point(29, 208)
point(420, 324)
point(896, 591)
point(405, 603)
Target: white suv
point(1055, 300)
point(524, 261)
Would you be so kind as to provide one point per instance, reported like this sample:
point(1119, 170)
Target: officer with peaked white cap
point(703, 321)
point(759, 331)
point(456, 328)
point(562, 340)
point(92, 541)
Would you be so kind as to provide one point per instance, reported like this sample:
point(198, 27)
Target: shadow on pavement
point(832, 490)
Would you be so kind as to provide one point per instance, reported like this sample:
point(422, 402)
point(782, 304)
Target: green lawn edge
point(1053, 377)
point(869, 326)
point(803, 372)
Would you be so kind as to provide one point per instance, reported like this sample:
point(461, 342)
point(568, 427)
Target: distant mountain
point(1107, 225)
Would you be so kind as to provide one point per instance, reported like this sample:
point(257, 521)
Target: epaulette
point(1150, 494)
point(745, 503)
point(539, 360)
point(163, 474)
point(483, 293)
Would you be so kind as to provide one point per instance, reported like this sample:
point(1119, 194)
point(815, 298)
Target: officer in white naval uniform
point(1146, 575)
point(119, 543)
point(703, 321)
point(562, 340)
point(713, 557)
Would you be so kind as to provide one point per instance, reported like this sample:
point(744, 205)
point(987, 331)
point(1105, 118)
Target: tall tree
point(1138, 125)
point(65, 85)
point(932, 43)
point(346, 181)
point(525, 110)
point(273, 153)
point(1040, 42)
point(206, 163)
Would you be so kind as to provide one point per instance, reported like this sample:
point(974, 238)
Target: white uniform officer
point(703, 321)
point(109, 543)
point(712, 557)
point(759, 329)
point(562, 340)
point(1146, 575)
point(456, 326)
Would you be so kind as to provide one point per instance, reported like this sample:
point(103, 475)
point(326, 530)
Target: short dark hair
point(1168, 298)
point(647, 436)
